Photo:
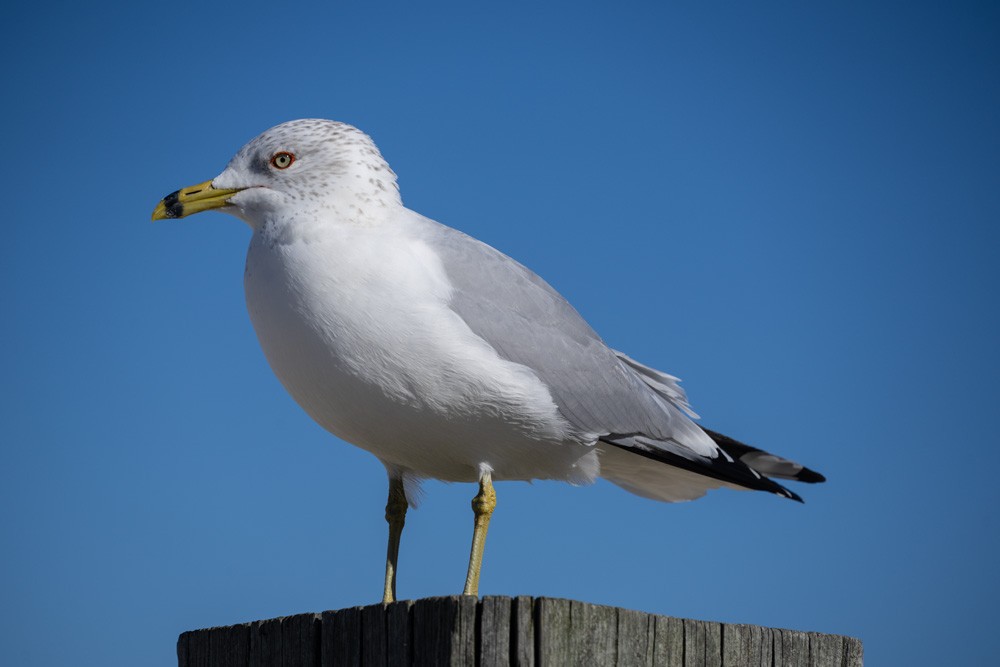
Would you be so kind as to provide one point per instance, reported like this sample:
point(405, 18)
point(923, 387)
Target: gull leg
point(482, 505)
point(395, 514)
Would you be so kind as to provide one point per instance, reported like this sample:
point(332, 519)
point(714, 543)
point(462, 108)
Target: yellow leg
point(395, 514)
point(482, 505)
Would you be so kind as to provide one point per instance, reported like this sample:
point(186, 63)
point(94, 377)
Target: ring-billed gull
point(437, 353)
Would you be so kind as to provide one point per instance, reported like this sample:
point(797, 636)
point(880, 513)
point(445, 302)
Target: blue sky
point(793, 208)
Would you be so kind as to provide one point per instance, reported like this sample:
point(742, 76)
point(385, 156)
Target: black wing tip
point(791, 495)
point(809, 476)
point(722, 469)
point(769, 484)
point(738, 449)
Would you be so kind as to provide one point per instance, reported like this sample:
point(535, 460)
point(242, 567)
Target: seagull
point(439, 354)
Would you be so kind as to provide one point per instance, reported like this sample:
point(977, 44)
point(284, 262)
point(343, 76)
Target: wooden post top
point(494, 631)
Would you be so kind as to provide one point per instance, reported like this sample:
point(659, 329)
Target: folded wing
point(638, 417)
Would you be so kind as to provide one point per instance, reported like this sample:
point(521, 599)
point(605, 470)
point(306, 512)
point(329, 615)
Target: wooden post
point(500, 631)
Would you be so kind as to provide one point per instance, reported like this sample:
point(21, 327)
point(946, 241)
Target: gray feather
point(528, 322)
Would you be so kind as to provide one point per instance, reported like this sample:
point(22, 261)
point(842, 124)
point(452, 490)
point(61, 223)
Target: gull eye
point(282, 160)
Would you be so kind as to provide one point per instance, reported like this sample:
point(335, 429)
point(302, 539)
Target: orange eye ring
point(282, 160)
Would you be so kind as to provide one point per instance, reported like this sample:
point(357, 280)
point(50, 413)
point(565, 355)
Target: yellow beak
point(188, 201)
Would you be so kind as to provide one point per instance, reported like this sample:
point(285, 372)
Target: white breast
point(355, 323)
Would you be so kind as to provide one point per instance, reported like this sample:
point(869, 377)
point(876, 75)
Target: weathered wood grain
point(182, 649)
point(636, 634)
point(854, 652)
point(374, 646)
point(340, 645)
point(300, 640)
point(702, 644)
point(399, 638)
point(444, 631)
point(523, 631)
point(593, 634)
point(494, 631)
point(668, 646)
point(794, 648)
point(230, 646)
point(265, 643)
point(552, 632)
point(746, 646)
point(503, 631)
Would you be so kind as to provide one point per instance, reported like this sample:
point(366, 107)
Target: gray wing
point(604, 394)
point(600, 392)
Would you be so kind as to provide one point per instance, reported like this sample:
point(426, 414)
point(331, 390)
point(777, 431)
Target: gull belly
point(355, 322)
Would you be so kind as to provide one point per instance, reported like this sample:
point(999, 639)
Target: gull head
point(310, 166)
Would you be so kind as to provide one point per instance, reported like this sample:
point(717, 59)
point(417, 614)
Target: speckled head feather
point(335, 167)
